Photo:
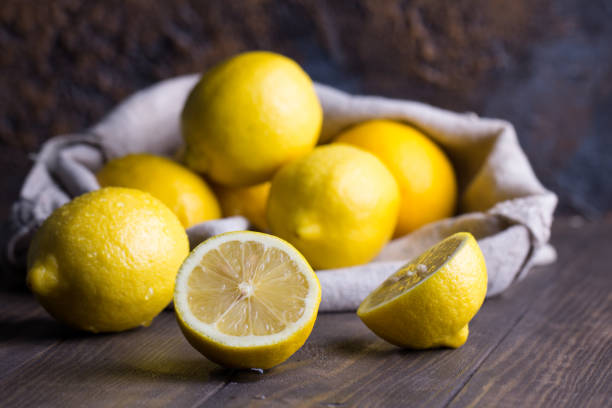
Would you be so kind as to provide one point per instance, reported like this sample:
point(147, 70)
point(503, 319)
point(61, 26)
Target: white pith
point(209, 330)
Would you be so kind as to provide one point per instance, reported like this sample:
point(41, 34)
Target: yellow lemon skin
point(264, 357)
point(432, 310)
point(107, 261)
point(424, 174)
point(248, 116)
point(338, 205)
point(250, 202)
point(183, 191)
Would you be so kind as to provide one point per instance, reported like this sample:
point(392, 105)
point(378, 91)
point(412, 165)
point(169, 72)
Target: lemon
point(248, 116)
point(246, 299)
point(424, 174)
point(249, 202)
point(183, 191)
point(430, 301)
point(107, 260)
point(338, 205)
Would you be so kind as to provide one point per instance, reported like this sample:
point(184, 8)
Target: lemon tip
point(42, 279)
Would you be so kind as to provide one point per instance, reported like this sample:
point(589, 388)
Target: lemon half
point(246, 299)
point(429, 302)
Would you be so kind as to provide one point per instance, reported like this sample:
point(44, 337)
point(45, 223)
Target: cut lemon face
point(430, 301)
point(246, 299)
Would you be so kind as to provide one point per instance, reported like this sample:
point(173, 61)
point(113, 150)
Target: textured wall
point(545, 65)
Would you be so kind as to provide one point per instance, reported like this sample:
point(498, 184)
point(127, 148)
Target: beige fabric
point(502, 202)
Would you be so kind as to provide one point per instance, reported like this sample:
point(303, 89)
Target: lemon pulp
point(243, 288)
point(413, 273)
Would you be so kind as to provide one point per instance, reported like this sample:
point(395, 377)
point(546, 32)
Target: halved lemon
point(246, 299)
point(429, 302)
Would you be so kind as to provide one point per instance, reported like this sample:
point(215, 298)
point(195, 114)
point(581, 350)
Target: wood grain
point(26, 332)
point(545, 342)
point(153, 367)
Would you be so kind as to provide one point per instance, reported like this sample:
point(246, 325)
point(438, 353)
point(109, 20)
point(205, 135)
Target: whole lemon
point(430, 301)
point(107, 260)
point(424, 174)
point(337, 205)
point(249, 202)
point(183, 191)
point(248, 116)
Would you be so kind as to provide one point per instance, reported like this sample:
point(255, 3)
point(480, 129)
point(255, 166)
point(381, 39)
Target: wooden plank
point(560, 353)
point(151, 367)
point(344, 364)
point(26, 331)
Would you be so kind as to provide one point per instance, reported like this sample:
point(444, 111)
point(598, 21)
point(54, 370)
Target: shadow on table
point(189, 370)
point(354, 347)
point(38, 329)
point(378, 349)
point(180, 370)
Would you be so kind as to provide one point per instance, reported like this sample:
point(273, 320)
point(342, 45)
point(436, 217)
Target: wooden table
point(545, 342)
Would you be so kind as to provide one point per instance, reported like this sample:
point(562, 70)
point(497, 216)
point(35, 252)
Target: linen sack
point(501, 201)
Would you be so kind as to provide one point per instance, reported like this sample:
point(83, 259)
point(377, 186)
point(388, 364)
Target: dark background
point(544, 65)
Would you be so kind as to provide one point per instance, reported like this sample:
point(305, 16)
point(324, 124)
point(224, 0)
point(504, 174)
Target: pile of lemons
point(112, 259)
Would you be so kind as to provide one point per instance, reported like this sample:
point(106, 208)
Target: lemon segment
point(429, 302)
point(246, 299)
